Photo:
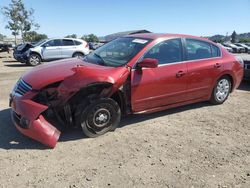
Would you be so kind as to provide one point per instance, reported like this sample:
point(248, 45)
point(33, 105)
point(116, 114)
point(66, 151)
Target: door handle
point(180, 74)
point(217, 65)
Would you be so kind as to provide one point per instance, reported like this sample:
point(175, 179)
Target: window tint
point(197, 49)
point(215, 51)
point(77, 42)
point(67, 42)
point(168, 51)
point(56, 42)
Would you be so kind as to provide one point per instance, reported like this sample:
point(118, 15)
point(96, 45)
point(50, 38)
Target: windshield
point(39, 43)
point(117, 52)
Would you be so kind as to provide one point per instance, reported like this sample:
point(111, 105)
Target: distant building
point(11, 41)
point(113, 36)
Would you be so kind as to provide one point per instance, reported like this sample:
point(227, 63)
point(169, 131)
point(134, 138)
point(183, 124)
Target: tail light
point(87, 45)
point(240, 60)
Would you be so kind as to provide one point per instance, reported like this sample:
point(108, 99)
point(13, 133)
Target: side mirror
point(45, 45)
point(148, 63)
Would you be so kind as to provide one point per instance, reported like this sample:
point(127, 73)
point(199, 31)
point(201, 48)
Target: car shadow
point(245, 85)
point(131, 119)
point(11, 138)
point(17, 65)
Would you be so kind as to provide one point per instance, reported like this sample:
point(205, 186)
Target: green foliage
point(33, 36)
point(244, 40)
point(90, 38)
point(233, 37)
point(20, 20)
point(71, 36)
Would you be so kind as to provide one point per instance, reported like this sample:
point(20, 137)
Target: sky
point(58, 18)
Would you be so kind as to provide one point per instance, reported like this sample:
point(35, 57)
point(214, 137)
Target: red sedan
point(140, 73)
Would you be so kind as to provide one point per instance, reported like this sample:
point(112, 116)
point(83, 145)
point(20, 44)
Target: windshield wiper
point(100, 57)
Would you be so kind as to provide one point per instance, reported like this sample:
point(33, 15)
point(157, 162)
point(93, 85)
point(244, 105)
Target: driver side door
point(163, 85)
point(52, 49)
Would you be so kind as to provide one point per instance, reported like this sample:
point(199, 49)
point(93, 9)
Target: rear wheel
point(34, 59)
point(78, 55)
point(221, 90)
point(99, 117)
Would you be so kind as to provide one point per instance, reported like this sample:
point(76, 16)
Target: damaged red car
point(139, 73)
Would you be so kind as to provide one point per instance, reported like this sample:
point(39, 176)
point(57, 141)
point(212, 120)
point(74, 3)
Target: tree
point(90, 38)
point(233, 37)
point(19, 18)
point(33, 36)
point(71, 36)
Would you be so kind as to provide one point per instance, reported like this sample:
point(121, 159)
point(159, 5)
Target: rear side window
point(215, 51)
point(67, 42)
point(168, 51)
point(77, 42)
point(197, 49)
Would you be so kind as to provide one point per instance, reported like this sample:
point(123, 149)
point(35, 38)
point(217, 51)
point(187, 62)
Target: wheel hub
point(222, 89)
point(101, 117)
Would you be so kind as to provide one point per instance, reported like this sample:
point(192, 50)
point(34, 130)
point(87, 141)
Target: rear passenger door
point(68, 48)
point(204, 64)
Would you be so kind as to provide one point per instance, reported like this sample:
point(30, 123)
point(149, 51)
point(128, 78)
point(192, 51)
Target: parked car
point(236, 49)
point(51, 49)
point(247, 44)
point(136, 74)
point(247, 48)
point(5, 47)
point(246, 70)
point(229, 49)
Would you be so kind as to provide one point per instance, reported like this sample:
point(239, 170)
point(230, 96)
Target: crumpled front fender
point(85, 76)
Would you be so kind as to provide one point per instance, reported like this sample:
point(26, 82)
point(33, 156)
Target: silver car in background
point(53, 49)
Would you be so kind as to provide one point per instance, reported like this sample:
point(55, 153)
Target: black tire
point(78, 55)
point(221, 90)
point(100, 117)
point(34, 59)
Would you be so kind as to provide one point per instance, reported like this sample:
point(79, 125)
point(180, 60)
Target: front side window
point(197, 49)
point(56, 42)
point(67, 42)
point(168, 51)
point(117, 52)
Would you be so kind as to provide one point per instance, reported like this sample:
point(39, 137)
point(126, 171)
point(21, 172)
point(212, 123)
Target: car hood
point(24, 47)
point(75, 73)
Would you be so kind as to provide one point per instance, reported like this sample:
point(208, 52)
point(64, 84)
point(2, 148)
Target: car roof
point(165, 35)
point(66, 39)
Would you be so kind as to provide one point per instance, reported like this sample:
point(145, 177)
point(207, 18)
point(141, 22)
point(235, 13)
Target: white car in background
point(236, 49)
point(52, 49)
point(247, 48)
point(226, 47)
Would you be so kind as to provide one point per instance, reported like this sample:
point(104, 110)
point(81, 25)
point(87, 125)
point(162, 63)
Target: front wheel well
point(36, 54)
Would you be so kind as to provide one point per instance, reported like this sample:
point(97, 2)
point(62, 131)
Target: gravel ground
point(198, 145)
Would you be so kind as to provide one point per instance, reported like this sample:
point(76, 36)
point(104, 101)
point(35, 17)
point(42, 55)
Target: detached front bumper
point(27, 117)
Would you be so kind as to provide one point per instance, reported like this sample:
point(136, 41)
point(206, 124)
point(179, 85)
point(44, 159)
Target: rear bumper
point(27, 117)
